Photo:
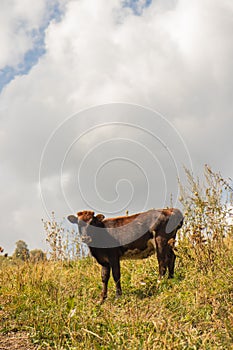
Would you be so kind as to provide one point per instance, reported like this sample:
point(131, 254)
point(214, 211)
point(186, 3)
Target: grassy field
point(56, 304)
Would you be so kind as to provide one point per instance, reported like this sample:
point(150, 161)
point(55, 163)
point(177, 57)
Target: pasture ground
point(54, 305)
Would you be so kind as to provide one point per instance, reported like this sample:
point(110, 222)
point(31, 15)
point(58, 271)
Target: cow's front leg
point(117, 276)
point(105, 274)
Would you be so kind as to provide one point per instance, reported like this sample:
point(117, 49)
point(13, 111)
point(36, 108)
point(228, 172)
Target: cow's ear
point(80, 213)
point(100, 217)
point(73, 219)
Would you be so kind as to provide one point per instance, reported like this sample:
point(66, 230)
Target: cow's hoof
point(101, 301)
point(118, 295)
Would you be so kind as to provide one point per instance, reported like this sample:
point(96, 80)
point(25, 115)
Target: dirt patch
point(16, 341)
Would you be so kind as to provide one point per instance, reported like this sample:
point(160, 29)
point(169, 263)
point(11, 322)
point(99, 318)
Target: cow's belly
point(137, 253)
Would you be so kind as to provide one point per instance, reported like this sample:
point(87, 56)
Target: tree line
point(23, 253)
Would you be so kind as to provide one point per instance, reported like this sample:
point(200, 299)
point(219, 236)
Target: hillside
point(57, 306)
point(54, 304)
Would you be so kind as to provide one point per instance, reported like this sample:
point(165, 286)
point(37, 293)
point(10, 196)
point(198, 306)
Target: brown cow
point(136, 236)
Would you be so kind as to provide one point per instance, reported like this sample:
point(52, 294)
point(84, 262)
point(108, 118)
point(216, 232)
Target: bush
point(206, 233)
point(64, 244)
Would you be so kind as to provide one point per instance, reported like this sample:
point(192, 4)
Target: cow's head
point(174, 220)
point(87, 221)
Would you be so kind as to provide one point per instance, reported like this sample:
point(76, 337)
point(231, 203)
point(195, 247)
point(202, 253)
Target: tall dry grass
point(56, 301)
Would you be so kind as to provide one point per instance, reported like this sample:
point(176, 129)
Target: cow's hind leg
point(161, 247)
point(171, 257)
point(105, 274)
point(117, 275)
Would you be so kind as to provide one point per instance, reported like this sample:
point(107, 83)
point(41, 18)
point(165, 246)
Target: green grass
point(58, 305)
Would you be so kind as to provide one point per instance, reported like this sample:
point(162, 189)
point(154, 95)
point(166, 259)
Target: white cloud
point(17, 21)
point(174, 57)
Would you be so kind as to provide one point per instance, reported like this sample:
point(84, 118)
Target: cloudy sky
point(103, 102)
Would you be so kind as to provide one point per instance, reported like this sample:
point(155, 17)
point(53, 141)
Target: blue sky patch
point(136, 6)
point(32, 56)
